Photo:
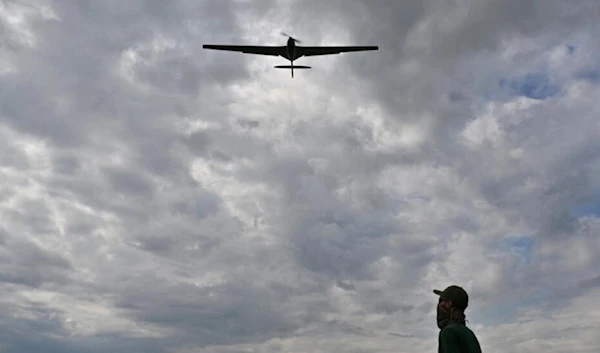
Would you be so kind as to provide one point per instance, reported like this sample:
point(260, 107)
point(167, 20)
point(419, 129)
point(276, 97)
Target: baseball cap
point(458, 296)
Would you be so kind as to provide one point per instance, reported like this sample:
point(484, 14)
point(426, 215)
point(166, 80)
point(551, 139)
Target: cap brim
point(437, 291)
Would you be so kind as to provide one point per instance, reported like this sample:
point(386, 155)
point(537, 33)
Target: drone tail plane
point(292, 67)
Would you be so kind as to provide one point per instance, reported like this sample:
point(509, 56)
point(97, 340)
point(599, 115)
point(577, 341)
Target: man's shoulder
point(461, 333)
point(453, 326)
point(453, 329)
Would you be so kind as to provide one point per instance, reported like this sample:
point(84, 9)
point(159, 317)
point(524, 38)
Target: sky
point(158, 197)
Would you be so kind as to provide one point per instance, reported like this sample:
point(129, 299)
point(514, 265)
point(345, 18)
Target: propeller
point(294, 39)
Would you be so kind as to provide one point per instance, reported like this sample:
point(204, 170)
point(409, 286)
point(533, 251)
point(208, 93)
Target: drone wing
point(312, 51)
point(248, 49)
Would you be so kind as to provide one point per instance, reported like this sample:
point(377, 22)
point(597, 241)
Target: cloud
point(158, 197)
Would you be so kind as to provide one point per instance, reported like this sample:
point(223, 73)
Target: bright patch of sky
point(590, 208)
point(521, 246)
point(533, 85)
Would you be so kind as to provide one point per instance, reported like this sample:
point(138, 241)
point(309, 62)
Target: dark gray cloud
point(25, 263)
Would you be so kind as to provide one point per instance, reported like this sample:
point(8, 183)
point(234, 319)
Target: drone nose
point(292, 38)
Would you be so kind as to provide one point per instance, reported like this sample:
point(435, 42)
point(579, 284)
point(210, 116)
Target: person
point(455, 336)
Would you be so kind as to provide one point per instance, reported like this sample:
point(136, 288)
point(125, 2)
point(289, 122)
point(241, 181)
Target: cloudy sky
point(158, 197)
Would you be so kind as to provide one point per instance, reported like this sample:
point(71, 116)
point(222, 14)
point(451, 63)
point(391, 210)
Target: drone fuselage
point(290, 51)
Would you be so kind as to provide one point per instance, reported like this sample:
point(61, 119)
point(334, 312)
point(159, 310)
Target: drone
point(290, 51)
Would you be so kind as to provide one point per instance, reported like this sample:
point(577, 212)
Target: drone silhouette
point(291, 51)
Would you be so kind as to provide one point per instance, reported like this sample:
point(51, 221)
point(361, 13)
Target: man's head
point(453, 297)
point(452, 304)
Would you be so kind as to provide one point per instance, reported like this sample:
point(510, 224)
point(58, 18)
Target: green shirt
point(458, 338)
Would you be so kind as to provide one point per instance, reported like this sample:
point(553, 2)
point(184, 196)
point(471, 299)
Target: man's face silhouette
point(443, 311)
